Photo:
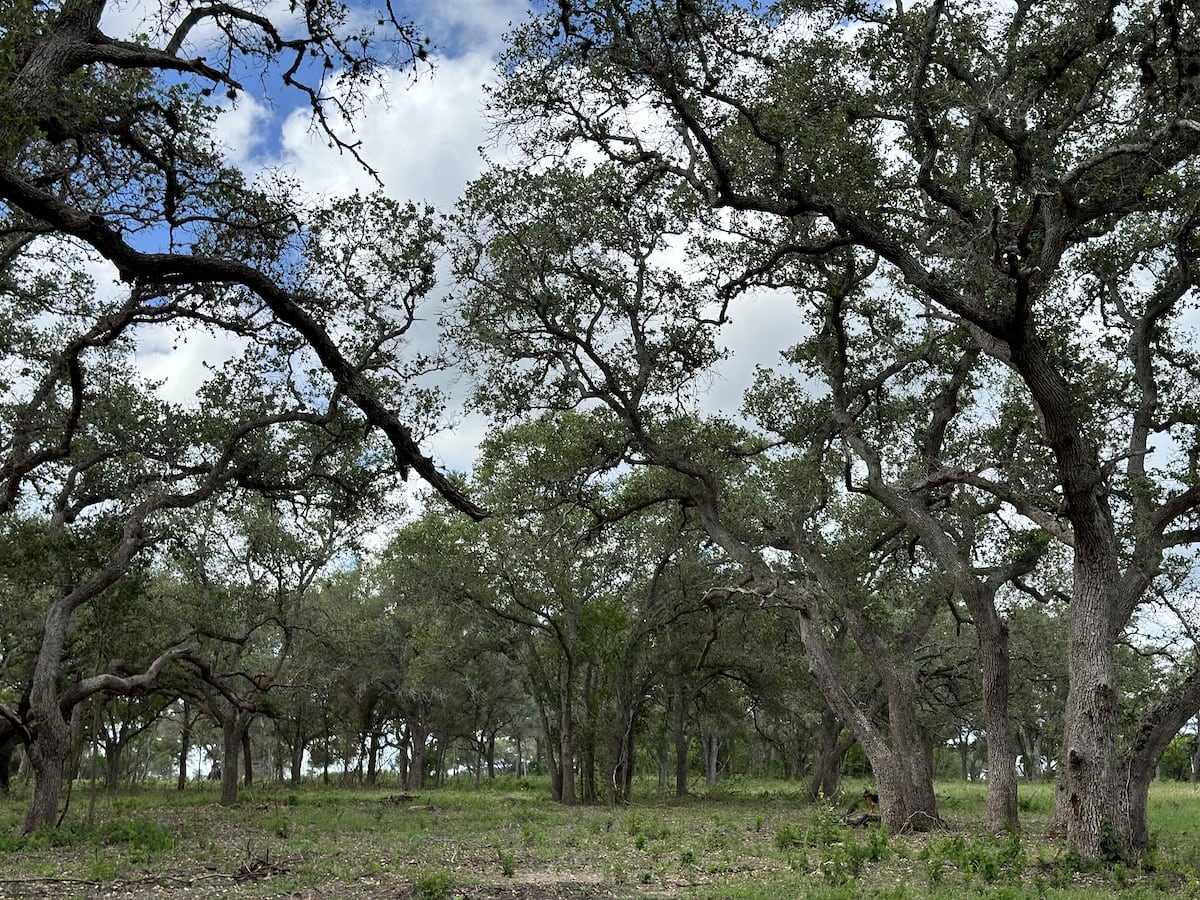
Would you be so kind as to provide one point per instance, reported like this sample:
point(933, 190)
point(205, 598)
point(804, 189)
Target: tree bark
point(710, 740)
point(566, 735)
point(418, 738)
point(834, 742)
point(992, 652)
point(1086, 796)
point(679, 706)
point(902, 762)
point(232, 727)
point(185, 747)
point(247, 754)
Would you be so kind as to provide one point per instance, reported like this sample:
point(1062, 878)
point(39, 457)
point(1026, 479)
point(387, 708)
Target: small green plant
point(787, 837)
point(824, 827)
point(434, 885)
point(508, 862)
point(875, 848)
point(687, 857)
point(143, 837)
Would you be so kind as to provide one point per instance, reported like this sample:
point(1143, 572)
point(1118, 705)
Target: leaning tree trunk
point(902, 762)
point(1157, 728)
point(47, 755)
point(50, 740)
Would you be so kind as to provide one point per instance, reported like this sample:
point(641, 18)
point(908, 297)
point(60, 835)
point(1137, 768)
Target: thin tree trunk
point(566, 735)
point(710, 740)
point(679, 730)
point(247, 754)
point(185, 747)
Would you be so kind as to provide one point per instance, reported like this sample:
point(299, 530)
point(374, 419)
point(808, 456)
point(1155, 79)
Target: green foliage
point(144, 838)
point(983, 858)
point(433, 885)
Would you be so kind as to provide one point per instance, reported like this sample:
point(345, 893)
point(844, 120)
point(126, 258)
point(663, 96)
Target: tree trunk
point(8, 746)
point(232, 727)
point(679, 730)
point(418, 738)
point(1031, 744)
point(185, 747)
point(1155, 731)
point(833, 744)
point(566, 735)
point(247, 754)
point(1195, 756)
point(1086, 796)
point(548, 743)
point(47, 756)
point(373, 758)
point(113, 751)
point(710, 740)
point(992, 651)
point(903, 761)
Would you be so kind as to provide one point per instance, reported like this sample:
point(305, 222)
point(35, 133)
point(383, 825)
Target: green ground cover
point(747, 839)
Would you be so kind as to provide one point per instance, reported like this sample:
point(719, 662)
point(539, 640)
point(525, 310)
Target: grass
point(750, 839)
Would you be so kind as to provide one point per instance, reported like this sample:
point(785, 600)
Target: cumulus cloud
point(422, 134)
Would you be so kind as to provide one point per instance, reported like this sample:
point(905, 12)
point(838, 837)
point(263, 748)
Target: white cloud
point(762, 324)
point(240, 130)
point(177, 354)
point(422, 135)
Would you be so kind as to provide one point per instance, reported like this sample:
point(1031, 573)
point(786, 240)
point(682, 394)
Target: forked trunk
point(833, 745)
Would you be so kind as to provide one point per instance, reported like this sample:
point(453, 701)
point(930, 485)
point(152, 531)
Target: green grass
point(750, 839)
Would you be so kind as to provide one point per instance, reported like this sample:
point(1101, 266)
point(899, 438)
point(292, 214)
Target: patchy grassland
point(747, 839)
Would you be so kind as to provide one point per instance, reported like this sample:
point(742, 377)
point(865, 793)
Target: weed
point(434, 885)
point(508, 862)
point(787, 836)
point(143, 837)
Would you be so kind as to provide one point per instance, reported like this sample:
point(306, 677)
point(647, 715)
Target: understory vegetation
point(745, 839)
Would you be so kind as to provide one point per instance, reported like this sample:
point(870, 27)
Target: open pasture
point(747, 839)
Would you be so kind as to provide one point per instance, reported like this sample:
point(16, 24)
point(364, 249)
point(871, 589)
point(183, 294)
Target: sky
point(427, 134)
